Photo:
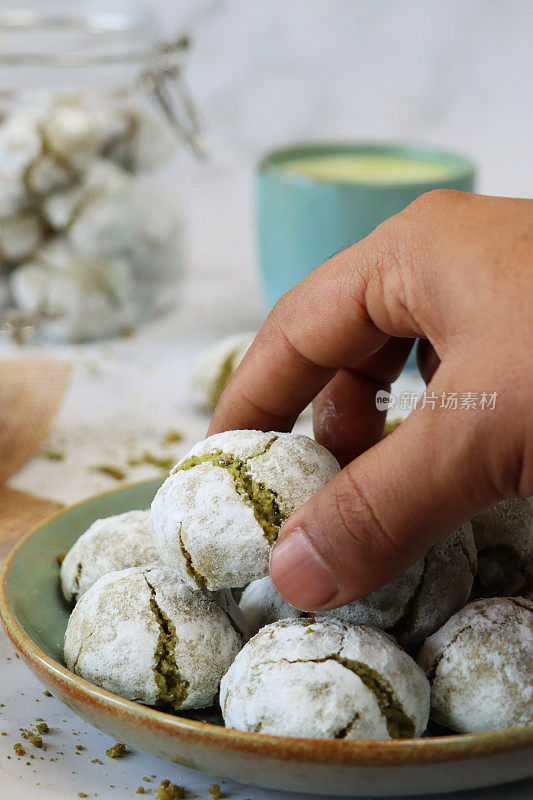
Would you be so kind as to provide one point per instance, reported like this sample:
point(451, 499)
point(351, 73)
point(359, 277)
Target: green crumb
point(172, 437)
point(108, 469)
point(127, 332)
point(261, 499)
point(118, 750)
point(170, 791)
point(140, 790)
point(47, 693)
point(82, 794)
point(79, 747)
point(391, 425)
point(172, 687)
point(33, 738)
point(53, 455)
point(19, 750)
point(42, 727)
point(146, 778)
point(59, 558)
point(165, 463)
point(215, 791)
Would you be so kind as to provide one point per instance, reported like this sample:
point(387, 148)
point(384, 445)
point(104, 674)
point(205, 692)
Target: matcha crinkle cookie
point(410, 607)
point(112, 543)
point(262, 604)
point(504, 540)
point(417, 603)
point(480, 666)
point(216, 365)
point(325, 680)
point(219, 512)
point(144, 635)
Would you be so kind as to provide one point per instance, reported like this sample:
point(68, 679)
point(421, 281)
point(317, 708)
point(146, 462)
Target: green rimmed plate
point(35, 618)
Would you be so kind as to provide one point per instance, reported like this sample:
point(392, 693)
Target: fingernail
point(299, 573)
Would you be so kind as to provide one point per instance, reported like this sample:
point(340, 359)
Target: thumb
point(389, 506)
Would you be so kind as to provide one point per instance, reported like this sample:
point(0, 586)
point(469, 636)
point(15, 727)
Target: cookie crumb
point(53, 455)
point(108, 469)
point(170, 791)
point(171, 437)
point(214, 791)
point(165, 464)
point(48, 694)
point(33, 738)
point(118, 750)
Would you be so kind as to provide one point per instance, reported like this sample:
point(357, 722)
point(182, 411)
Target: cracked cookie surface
point(504, 539)
point(216, 365)
point(327, 680)
point(145, 635)
point(218, 513)
point(411, 607)
point(172, 687)
point(262, 500)
point(480, 665)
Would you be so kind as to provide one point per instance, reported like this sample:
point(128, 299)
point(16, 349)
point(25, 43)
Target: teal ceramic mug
point(316, 199)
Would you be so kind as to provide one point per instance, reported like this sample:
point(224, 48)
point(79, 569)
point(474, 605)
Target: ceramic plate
point(35, 617)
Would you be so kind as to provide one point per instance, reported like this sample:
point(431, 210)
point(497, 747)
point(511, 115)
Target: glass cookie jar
point(89, 229)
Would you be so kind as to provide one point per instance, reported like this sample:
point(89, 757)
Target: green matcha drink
point(353, 168)
point(318, 198)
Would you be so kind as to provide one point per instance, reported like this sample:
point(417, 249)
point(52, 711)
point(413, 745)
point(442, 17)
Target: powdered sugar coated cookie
point(219, 512)
point(325, 680)
point(144, 635)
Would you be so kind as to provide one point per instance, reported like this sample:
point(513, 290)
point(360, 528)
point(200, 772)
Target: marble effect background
point(454, 73)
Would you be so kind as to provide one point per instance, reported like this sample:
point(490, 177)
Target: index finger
point(319, 326)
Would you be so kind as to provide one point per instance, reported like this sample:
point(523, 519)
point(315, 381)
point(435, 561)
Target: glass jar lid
point(76, 33)
point(96, 45)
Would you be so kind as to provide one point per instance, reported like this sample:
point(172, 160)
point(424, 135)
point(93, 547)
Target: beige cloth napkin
point(31, 389)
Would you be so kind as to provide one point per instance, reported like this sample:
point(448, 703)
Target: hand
point(455, 269)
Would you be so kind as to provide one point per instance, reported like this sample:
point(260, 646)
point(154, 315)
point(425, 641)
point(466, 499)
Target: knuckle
point(439, 199)
point(392, 252)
